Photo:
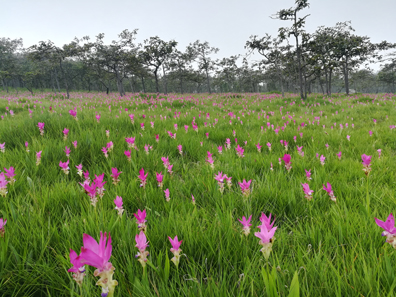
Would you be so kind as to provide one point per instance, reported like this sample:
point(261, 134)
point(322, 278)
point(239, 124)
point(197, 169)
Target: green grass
point(334, 249)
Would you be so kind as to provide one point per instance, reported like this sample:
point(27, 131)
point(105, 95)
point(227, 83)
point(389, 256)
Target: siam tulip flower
point(258, 147)
point(65, 133)
point(308, 174)
point(78, 268)
point(142, 244)
point(322, 160)
point(287, 159)
point(107, 133)
point(128, 155)
point(379, 153)
point(371, 133)
point(186, 128)
point(269, 146)
point(130, 142)
point(132, 117)
point(167, 195)
point(207, 135)
point(327, 146)
point(169, 168)
point(245, 187)
point(349, 138)
point(104, 150)
point(295, 138)
point(75, 144)
point(193, 199)
point(160, 179)
point(266, 221)
point(210, 160)
point(246, 225)
point(38, 158)
point(115, 175)
point(142, 126)
point(2, 147)
point(109, 146)
point(228, 144)
point(10, 173)
point(366, 160)
point(3, 222)
point(97, 118)
point(165, 161)
point(146, 149)
point(143, 177)
point(330, 192)
point(100, 184)
point(67, 151)
point(98, 255)
point(228, 180)
point(27, 146)
point(180, 148)
point(175, 250)
point(79, 170)
point(157, 137)
point(299, 151)
point(271, 167)
point(118, 203)
point(73, 113)
point(307, 191)
point(375, 121)
point(285, 143)
point(339, 155)
point(220, 149)
point(389, 229)
point(220, 181)
point(267, 238)
point(41, 128)
point(152, 125)
point(91, 191)
point(64, 166)
point(3, 185)
point(141, 219)
point(239, 151)
point(234, 133)
point(86, 176)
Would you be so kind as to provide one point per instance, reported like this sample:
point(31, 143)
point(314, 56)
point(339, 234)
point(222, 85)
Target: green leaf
point(295, 286)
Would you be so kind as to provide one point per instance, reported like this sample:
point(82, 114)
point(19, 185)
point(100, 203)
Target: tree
point(8, 49)
point(155, 52)
point(296, 29)
point(201, 52)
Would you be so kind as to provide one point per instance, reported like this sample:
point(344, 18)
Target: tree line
point(332, 59)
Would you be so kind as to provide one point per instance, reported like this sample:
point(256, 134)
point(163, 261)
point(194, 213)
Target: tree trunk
point(64, 79)
point(346, 75)
point(144, 87)
point(156, 81)
point(165, 81)
point(298, 56)
point(56, 79)
point(330, 73)
point(207, 79)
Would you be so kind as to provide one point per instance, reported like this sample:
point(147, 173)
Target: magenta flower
point(67, 151)
point(38, 158)
point(130, 142)
point(169, 168)
point(299, 151)
point(78, 268)
point(143, 177)
point(3, 185)
point(339, 155)
point(142, 244)
point(160, 179)
point(329, 191)
point(65, 133)
point(97, 117)
point(157, 137)
point(96, 254)
point(220, 181)
point(379, 153)
point(91, 191)
point(322, 160)
point(246, 225)
point(128, 155)
point(266, 239)
point(209, 159)
point(308, 174)
point(193, 199)
point(27, 146)
point(64, 166)
point(10, 173)
point(167, 195)
point(100, 184)
point(287, 159)
point(266, 221)
point(245, 187)
point(104, 150)
point(220, 149)
point(79, 170)
point(389, 229)
point(41, 128)
point(371, 133)
point(115, 175)
point(3, 222)
point(180, 148)
point(258, 147)
point(239, 151)
point(73, 113)
point(141, 219)
point(75, 144)
point(366, 160)
point(175, 250)
point(307, 191)
point(349, 138)
point(118, 203)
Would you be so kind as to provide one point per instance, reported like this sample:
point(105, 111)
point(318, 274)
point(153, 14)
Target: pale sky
point(224, 24)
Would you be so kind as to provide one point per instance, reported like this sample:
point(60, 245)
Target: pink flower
point(64, 166)
point(73, 113)
point(67, 151)
point(220, 149)
point(130, 142)
point(349, 138)
point(322, 160)
point(180, 148)
point(265, 235)
point(379, 153)
point(79, 170)
point(96, 254)
point(220, 181)
point(287, 159)
point(366, 160)
point(239, 151)
point(169, 168)
point(115, 174)
point(118, 203)
point(246, 225)
point(307, 191)
point(141, 219)
point(258, 147)
point(388, 225)
point(245, 187)
point(10, 173)
point(193, 199)
point(329, 191)
point(38, 158)
point(141, 244)
point(100, 184)
point(371, 133)
point(3, 222)
point(175, 249)
point(104, 150)
point(308, 174)
point(128, 155)
point(339, 155)
point(167, 195)
point(65, 133)
point(75, 144)
point(78, 268)
point(142, 177)
point(209, 159)
point(157, 138)
point(27, 146)
point(160, 178)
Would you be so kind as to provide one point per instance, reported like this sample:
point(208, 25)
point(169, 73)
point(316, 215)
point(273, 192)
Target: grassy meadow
point(322, 247)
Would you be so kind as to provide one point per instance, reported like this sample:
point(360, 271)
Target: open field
point(333, 247)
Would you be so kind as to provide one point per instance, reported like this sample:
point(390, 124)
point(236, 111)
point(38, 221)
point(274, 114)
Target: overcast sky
point(224, 24)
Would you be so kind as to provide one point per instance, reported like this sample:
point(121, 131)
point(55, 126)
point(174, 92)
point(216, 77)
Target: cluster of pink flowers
point(167, 165)
point(210, 160)
point(329, 191)
point(245, 187)
point(240, 151)
point(73, 113)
